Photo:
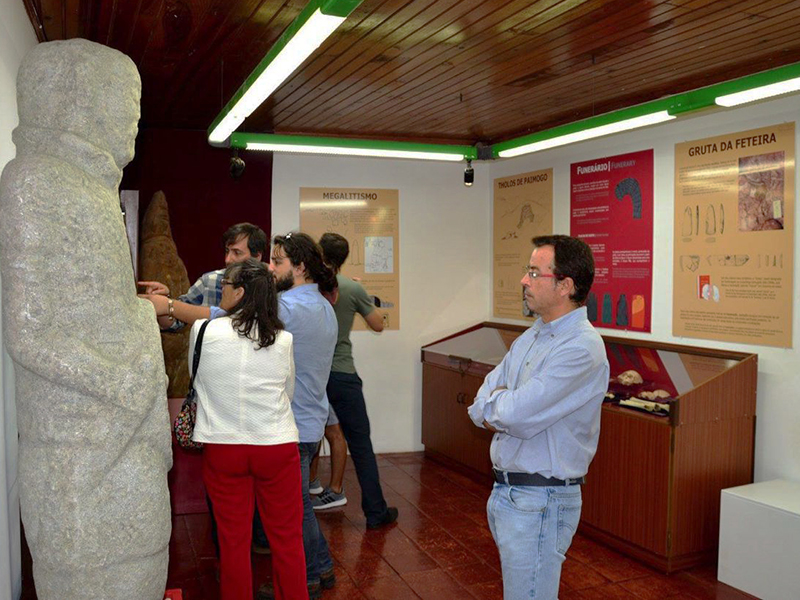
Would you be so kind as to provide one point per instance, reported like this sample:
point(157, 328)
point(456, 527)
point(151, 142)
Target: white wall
point(16, 38)
point(778, 408)
point(445, 262)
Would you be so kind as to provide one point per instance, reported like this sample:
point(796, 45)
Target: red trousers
point(235, 477)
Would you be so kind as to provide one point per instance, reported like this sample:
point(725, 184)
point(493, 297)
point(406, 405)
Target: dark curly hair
point(300, 248)
point(256, 315)
point(573, 259)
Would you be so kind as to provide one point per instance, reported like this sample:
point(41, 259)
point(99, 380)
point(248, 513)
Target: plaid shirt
point(206, 291)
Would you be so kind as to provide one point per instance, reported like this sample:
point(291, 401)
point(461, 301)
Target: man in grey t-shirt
point(345, 387)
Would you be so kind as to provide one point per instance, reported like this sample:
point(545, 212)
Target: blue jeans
point(347, 398)
point(318, 557)
point(533, 528)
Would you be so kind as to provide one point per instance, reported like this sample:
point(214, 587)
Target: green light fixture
point(303, 144)
point(602, 125)
point(768, 84)
point(750, 88)
point(312, 26)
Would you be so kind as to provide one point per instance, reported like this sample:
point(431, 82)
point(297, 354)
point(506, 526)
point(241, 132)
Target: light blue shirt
point(549, 417)
point(309, 317)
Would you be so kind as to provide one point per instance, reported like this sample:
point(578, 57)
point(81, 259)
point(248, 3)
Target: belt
point(533, 479)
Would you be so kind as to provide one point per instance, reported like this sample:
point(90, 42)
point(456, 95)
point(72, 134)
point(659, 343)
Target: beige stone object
point(159, 261)
point(630, 378)
point(655, 394)
point(94, 436)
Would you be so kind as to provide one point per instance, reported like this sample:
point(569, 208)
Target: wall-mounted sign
point(370, 221)
point(734, 237)
point(523, 209)
point(611, 209)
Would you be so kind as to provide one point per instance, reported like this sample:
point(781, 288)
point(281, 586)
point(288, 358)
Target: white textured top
point(244, 394)
point(779, 494)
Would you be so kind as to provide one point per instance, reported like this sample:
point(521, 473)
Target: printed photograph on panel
point(761, 180)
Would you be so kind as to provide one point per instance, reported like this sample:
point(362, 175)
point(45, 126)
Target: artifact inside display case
point(651, 380)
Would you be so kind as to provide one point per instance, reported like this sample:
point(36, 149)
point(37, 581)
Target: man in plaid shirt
point(241, 241)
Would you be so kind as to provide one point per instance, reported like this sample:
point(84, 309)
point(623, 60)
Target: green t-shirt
point(352, 299)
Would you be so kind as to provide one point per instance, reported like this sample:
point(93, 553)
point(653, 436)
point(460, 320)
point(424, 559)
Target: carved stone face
point(630, 378)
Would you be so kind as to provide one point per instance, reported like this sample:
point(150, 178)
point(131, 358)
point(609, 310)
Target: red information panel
point(611, 209)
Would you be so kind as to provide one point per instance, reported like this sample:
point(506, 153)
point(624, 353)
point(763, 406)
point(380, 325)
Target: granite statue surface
point(94, 436)
point(159, 261)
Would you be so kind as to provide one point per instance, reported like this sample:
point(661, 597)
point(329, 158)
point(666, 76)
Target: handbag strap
point(198, 346)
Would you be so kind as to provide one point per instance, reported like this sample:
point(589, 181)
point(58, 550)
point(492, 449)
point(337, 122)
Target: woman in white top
point(244, 384)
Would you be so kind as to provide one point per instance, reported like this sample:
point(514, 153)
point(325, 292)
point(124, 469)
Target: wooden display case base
point(665, 564)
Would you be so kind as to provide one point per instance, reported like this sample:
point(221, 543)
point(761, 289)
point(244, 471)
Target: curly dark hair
point(255, 317)
point(335, 249)
point(256, 238)
point(300, 248)
point(573, 259)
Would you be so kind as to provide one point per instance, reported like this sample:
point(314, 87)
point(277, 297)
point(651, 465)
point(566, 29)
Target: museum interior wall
point(777, 450)
point(445, 260)
point(16, 38)
point(202, 197)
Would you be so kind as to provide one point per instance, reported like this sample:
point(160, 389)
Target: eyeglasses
point(536, 275)
point(227, 282)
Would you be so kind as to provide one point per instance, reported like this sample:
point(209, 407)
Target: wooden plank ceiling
point(452, 71)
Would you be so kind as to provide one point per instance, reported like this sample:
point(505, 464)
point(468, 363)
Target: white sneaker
point(315, 487)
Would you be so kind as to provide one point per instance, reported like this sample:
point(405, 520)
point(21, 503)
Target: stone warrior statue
point(94, 436)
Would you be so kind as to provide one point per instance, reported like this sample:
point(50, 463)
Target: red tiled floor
point(610, 591)
point(621, 568)
point(474, 573)
point(578, 576)
point(440, 549)
point(434, 585)
point(390, 587)
point(488, 590)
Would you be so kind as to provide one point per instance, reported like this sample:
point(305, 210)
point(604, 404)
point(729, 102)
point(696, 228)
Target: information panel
point(611, 209)
point(734, 237)
point(369, 219)
point(523, 209)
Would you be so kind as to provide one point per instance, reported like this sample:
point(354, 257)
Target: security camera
point(237, 166)
point(469, 174)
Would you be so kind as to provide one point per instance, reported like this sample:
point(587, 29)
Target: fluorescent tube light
point(587, 134)
point(344, 151)
point(759, 93)
point(309, 37)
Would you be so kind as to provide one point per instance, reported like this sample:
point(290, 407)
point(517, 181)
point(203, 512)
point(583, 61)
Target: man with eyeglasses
point(543, 404)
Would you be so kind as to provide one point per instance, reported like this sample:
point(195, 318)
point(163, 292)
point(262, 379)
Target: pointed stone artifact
point(159, 261)
point(94, 435)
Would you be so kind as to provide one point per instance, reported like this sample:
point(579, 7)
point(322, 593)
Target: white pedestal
point(759, 539)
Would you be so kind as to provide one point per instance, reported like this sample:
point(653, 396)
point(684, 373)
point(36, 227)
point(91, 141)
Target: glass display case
point(677, 427)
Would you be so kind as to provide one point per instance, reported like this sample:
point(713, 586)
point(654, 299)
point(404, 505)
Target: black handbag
point(183, 426)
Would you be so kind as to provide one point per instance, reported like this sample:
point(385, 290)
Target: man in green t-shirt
point(345, 387)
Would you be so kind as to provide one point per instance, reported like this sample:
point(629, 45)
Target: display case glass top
point(642, 372)
point(485, 345)
point(671, 372)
